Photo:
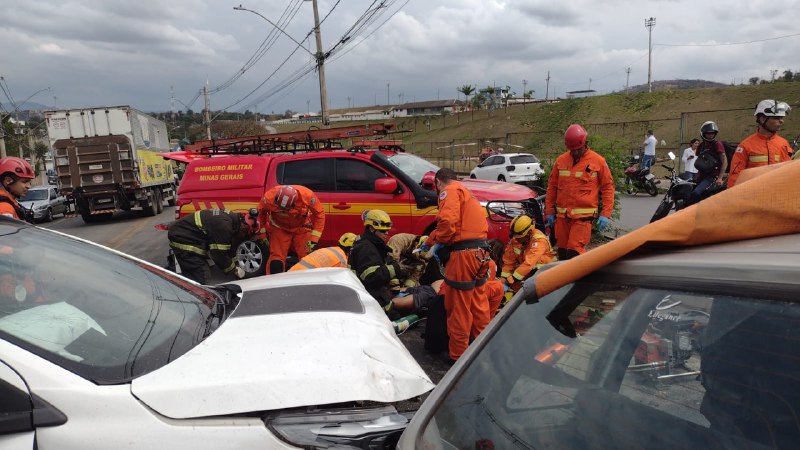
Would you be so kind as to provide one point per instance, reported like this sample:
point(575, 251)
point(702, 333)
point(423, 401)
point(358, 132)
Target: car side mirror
point(427, 181)
point(386, 185)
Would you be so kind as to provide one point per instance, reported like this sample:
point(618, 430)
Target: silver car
point(45, 202)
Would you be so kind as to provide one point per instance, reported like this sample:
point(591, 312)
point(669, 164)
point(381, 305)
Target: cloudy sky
point(111, 52)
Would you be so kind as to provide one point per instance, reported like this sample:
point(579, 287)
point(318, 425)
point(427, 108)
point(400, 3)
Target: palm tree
point(467, 90)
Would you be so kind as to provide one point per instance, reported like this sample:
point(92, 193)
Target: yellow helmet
point(347, 240)
point(377, 219)
point(420, 240)
point(520, 226)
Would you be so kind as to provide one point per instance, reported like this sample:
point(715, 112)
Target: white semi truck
point(108, 159)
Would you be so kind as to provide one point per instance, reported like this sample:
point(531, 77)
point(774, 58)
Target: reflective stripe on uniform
point(561, 210)
point(758, 158)
point(368, 271)
point(564, 173)
point(219, 246)
point(316, 233)
point(517, 250)
point(576, 210)
point(198, 221)
point(504, 275)
point(188, 248)
point(307, 265)
point(517, 276)
point(230, 266)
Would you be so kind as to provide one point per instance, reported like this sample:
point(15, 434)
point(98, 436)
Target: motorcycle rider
point(649, 149)
point(579, 179)
point(16, 175)
point(707, 179)
point(764, 146)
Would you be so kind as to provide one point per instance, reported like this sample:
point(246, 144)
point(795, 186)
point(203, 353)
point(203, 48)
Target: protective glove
point(423, 249)
point(435, 252)
point(310, 245)
point(240, 273)
point(602, 223)
point(551, 220)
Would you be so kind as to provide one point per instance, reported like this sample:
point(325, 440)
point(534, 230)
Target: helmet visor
point(778, 109)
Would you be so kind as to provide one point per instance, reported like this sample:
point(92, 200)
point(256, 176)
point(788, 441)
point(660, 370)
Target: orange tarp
point(764, 202)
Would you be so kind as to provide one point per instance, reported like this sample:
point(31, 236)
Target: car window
point(110, 321)
point(494, 161)
point(524, 159)
point(34, 194)
point(414, 166)
point(315, 174)
point(606, 366)
point(353, 175)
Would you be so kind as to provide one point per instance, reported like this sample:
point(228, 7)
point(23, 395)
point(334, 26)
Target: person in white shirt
point(689, 157)
point(649, 151)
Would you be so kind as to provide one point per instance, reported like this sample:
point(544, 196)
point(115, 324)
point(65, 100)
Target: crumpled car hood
point(303, 338)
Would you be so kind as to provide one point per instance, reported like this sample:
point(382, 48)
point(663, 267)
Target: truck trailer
point(108, 159)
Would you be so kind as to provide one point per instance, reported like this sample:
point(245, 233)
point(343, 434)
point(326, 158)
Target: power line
point(730, 43)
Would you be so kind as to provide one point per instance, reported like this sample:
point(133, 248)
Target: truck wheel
point(159, 200)
point(88, 217)
point(151, 208)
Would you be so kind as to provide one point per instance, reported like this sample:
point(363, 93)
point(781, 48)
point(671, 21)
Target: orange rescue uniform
point(519, 259)
point(572, 194)
point(294, 228)
point(461, 225)
point(494, 290)
point(324, 257)
point(9, 206)
point(758, 150)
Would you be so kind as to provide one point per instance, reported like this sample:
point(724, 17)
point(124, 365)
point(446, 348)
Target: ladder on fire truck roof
point(294, 141)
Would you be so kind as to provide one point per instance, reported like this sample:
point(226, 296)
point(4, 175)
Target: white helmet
point(772, 108)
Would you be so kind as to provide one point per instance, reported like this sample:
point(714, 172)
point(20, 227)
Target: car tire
point(472, 175)
point(501, 178)
point(48, 216)
point(252, 257)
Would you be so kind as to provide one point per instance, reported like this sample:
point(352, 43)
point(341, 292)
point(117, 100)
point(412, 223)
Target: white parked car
point(510, 167)
point(101, 350)
point(45, 202)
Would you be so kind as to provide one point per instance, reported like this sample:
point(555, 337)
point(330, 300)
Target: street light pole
point(16, 117)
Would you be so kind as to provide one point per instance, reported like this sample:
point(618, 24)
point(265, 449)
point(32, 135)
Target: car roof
point(40, 188)
point(753, 263)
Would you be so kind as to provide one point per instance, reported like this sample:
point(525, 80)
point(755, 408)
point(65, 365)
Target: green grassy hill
point(616, 122)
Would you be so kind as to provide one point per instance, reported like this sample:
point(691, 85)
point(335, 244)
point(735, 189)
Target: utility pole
point(547, 90)
point(323, 92)
point(649, 24)
point(206, 111)
point(524, 93)
point(773, 71)
point(172, 103)
point(388, 102)
point(627, 78)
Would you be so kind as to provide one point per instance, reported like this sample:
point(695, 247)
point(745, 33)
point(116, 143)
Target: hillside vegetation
point(616, 122)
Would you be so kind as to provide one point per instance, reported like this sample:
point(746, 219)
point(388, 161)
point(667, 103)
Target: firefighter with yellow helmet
point(527, 250)
point(328, 256)
point(370, 259)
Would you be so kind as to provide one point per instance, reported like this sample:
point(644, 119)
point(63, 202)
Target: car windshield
point(610, 366)
point(524, 159)
point(96, 313)
point(414, 166)
point(35, 194)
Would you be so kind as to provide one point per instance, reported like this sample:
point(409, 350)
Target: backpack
point(707, 161)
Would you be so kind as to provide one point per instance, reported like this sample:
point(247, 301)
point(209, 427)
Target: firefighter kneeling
point(211, 233)
point(370, 261)
point(328, 256)
point(527, 250)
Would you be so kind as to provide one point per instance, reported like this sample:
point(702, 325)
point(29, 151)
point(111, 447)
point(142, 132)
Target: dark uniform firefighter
point(328, 256)
point(213, 233)
point(370, 259)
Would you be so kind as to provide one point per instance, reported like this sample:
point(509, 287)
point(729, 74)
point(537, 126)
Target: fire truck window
point(315, 174)
point(356, 176)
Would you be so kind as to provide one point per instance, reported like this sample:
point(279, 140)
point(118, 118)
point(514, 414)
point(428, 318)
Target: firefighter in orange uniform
point(328, 256)
point(296, 219)
point(578, 179)
point(764, 146)
point(527, 250)
point(461, 229)
point(16, 176)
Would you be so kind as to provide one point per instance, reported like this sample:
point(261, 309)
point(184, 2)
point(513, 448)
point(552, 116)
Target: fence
point(672, 133)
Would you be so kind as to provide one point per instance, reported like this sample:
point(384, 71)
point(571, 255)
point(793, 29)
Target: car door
point(16, 411)
point(56, 201)
point(494, 164)
point(355, 193)
point(315, 173)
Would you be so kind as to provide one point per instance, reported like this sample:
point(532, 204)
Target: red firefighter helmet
point(286, 197)
point(575, 137)
point(16, 166)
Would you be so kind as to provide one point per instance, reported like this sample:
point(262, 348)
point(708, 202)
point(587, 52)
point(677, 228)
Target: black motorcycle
point(677, 196)
point(637, 179)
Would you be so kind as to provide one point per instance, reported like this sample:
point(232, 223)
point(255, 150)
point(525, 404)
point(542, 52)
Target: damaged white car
point(101, 350)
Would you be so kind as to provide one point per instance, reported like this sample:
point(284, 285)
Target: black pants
point(193, 266)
